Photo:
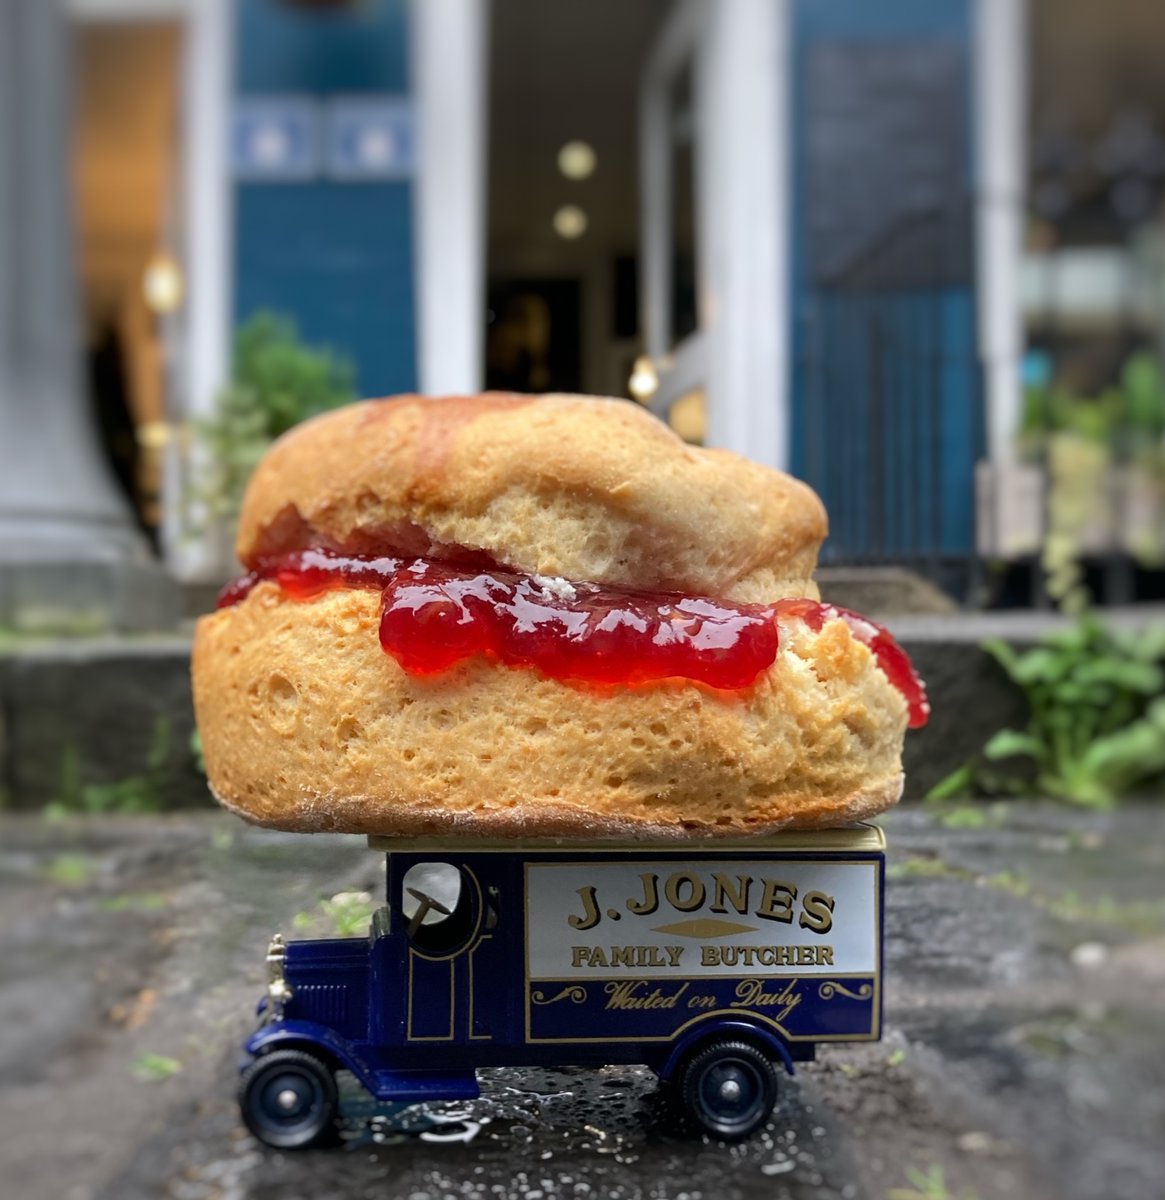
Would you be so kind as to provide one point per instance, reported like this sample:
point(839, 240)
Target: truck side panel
point(638, 952)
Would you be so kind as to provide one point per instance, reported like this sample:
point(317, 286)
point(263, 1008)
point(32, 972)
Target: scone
point(506, 615)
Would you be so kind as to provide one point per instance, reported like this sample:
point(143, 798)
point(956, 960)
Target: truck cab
point(718, 964)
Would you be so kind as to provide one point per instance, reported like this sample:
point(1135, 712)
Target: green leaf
point(159, 752)
point(1143, 386)
point(134, 794)
point(1041, 665)
point(1078, 637)
point(1011, 743)
point(1071, 692)
point(1003, 654)
point(960, 782)
point(1142, 677)
point(1060, 721)
point(1146, 644)
point(1089, 793)
point(196, 751)
point(71, 870)
point(1128, 756)
point(154, 1068)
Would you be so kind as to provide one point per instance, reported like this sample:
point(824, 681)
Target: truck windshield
point(437, 907)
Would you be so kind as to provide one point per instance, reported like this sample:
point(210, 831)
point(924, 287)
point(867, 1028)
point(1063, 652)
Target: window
point(438, 908)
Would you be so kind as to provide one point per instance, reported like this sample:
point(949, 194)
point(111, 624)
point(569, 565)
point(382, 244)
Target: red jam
point(434, 615)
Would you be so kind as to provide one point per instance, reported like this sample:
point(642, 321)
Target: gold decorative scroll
point(574, 993)
point(826, 991)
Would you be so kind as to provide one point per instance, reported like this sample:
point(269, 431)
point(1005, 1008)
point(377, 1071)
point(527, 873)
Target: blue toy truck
point(716, 963)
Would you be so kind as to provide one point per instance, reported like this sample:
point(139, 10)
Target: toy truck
point(717, 964)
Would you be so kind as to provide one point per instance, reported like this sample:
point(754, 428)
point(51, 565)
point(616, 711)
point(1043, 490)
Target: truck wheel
point(727, 1089)
point(288, 1099)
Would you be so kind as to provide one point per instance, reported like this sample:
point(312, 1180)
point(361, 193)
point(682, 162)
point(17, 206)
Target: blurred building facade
point(795, 229)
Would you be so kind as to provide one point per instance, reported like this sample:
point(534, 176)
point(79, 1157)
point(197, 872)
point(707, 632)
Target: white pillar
point(69, 550)
point(450, 39)
point(200, 338)
point(675, 48)
point(58, 502)
point(1000, 108)
point(743, 213)
point(655, 197)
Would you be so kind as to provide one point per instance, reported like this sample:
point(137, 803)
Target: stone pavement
point(1025, 1015)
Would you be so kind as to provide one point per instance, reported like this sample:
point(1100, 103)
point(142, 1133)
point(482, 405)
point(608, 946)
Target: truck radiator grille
point(323, 1002)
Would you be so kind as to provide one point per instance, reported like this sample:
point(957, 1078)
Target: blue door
point(887, 408)
point(448, 920)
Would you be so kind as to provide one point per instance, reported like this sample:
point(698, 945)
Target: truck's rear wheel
point(288, 1099)
point(727, 1089)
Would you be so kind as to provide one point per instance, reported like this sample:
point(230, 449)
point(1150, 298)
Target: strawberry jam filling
point(434, 615)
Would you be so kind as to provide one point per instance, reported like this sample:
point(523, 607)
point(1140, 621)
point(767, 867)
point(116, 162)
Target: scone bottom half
point(383, 691)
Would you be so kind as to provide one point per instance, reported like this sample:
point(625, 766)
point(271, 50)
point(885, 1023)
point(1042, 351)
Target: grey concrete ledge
point(1013, 625)
point(94, 649)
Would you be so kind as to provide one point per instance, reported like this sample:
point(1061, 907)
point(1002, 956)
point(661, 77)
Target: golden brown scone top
point(576, 486)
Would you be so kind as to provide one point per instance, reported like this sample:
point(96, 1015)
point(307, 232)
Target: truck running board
point(415, 1087)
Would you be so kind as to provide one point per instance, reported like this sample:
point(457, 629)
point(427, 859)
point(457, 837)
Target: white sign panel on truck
point(701, 918)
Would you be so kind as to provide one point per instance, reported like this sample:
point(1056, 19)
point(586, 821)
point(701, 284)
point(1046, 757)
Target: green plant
point(1081, 439)
point(921, 867)
point(276, 383)
point(1131, 410)
point(349, 912)
point(1143, 917)
point(133, 902)
point(346, 914)
point(196, 752)
point(1144, 390)
point(928, 1184)
point(154, 1068)
point(138, 793)
point(68, 797)
point(1078, 467)
point(71, 870)
point(1096, 729)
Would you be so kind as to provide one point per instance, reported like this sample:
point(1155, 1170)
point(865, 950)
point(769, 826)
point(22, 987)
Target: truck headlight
point(278, 990)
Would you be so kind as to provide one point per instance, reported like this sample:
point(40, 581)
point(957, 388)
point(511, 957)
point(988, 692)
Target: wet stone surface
point(533, 1134)
point(1024, 1009)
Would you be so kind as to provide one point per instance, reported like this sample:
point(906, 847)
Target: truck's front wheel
point(288, 1100)
point(727, 1089)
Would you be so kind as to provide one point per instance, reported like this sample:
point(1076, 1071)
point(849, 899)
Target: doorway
point(533, 341)
point(126, 157)
point(563, 211)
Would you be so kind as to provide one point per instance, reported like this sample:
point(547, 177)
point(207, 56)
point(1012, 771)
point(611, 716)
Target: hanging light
point(644, 381)
point(163, 284)
point(577, 160)
point(570, 222)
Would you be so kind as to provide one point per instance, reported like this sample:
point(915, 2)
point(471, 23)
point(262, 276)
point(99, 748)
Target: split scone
point(508, 615)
